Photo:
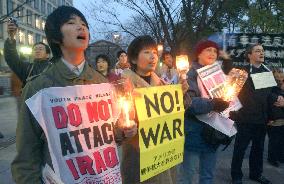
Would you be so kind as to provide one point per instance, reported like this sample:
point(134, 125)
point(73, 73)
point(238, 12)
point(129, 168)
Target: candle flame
point(125, 107)
point(229, 93)
point(182, 62)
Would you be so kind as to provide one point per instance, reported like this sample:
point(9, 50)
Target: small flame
point(125, 106)
point(182, 62)
point(229, 93)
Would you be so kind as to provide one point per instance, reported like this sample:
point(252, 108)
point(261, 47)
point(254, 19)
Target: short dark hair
point(166, 53)
point(47, 49)
point(137, 45)
point(104, 57)
point(249, 50)
point(119, 53)
point(54, 22)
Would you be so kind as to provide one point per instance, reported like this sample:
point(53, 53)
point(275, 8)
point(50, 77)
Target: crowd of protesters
point(67, 34)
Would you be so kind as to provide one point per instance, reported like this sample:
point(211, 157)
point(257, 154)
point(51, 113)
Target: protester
point(276, 124)
point(168, 71)
point(122, 62)
point(103, 67)
point(22, 69)
point(198, 152)
point(67, 33)
point(143, 56)
point(251, 119)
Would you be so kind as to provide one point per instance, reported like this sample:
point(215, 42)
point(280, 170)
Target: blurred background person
point(168, 71)
point(275, 126)
point(103, 67)
point(122, 62)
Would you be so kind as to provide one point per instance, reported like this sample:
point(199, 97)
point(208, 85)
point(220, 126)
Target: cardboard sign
point(160, 113)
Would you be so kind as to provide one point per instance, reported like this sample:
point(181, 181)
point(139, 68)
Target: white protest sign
point(77, 122)
point(211, 79)
point(263, 80)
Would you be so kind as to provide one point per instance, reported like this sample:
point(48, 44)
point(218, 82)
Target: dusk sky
point(98, 30)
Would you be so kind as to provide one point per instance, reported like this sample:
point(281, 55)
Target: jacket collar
point(66, 73)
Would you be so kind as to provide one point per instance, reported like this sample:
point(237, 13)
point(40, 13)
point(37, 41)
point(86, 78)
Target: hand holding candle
point(182, 65)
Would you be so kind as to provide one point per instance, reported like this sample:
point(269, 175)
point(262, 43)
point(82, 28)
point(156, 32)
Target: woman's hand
point(184, 85)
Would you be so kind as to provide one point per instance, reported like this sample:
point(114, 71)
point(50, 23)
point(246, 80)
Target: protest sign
point(160, 114)
point(263, 80)
point(78, 124)
point(212, 81)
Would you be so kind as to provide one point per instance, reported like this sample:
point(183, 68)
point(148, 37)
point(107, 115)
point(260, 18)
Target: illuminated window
point(22, 36)
point(42, 24)
point(30, 38)
point(37, 23)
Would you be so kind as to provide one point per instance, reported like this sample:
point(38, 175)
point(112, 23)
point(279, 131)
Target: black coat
point(255, 102)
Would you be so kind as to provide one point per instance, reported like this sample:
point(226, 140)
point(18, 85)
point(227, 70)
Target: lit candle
point(182, 65)
point(125, 108)
point(160, 48)
point(229, 92)
point(234, 83)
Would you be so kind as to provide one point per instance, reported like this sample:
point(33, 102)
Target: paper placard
point(263, 80)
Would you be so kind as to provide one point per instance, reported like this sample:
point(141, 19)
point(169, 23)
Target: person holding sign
point(67, 33)
point(252, 118)
point(197, 151)
point(143, 57)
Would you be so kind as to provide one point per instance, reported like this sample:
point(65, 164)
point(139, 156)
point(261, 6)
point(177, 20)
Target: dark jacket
point(192, 126)
point(31, 143)
point(22, 69)
point(275, 112)
point(254, 102)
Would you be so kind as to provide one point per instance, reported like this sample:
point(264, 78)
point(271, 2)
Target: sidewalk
point(8, 117)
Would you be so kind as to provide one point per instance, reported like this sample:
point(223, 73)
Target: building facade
point(102, 47)
point(30, 17)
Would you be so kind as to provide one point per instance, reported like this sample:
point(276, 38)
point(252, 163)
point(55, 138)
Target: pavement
point(8, 121)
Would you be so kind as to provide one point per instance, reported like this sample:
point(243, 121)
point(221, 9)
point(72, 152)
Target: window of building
point(10, 6)
point(44, 40)
point(30, 38)
point(22, 36)
point(37, 22)
point(1, 31)
point(43, 7)
point(38, 38)
point(36, 4)
point(30, 2)
point(20, 14)
point(49, 8)
point(29, 17)
point(1, 7)
point(42, 24)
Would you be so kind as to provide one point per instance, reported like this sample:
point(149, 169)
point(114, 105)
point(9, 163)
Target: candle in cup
point(182, 65)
